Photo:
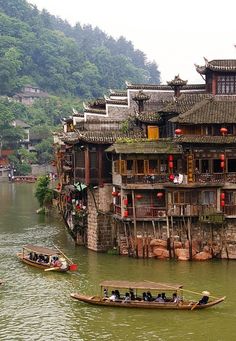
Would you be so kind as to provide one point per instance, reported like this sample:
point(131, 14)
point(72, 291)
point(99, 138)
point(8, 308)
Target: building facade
point(158, 163)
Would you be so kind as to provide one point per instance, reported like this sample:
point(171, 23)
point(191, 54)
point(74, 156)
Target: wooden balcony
point(143, 212)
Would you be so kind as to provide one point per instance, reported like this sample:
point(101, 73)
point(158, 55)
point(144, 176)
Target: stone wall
point(99, 233)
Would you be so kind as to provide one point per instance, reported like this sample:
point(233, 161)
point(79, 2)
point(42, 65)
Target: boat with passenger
point(46, 259)
point(149, 295)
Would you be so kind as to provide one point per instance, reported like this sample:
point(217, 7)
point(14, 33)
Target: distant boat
point(46, 259)
point(138, 289)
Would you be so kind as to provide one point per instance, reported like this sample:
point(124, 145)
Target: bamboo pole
point(189, 291)
point(69, 260)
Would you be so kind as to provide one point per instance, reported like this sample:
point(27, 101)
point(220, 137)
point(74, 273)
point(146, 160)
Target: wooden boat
point(46, 259)
point(155, 288)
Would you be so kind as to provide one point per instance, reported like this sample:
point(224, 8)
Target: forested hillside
point(43, 50)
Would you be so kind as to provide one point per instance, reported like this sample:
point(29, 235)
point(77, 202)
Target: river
point(36, 305)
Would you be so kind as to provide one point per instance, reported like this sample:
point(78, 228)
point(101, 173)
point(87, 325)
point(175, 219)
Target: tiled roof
point(210, 111)
point(118, 93)
point(145, 146)
point(101, 137)
point(108, 137)
point(222, 65)
point(184, 102)
point(202, 139)
point(149, 117)
point(141, 96)
point(117, 101)
point(164, 87)
point(95, 111)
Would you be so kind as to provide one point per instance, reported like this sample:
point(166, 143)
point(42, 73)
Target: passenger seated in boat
point(64, 264)
point(205, 298)
point(149, 296)
point(46, 259)
point(113, 296)
point(145, 296)
point(40, 259)
point(31, 255)
point(35, 257)
point(105, 293)
point(132, 296)
point(117, 294)
point(159, 299)
point(163, 295)
point(127, 297)
point(175, 298)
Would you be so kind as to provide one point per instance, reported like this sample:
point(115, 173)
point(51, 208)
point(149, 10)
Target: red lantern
point(223, 131)
point(138, 196)
point(160, 195)
point(178, 131)
point(126, 213)
point(222, 157)
point(114, 194)
point(170, 157)
point(222, 195)
point(222, 164)
point(171, 177)
point(125, 202)
point(222, 203)
point(171, 164)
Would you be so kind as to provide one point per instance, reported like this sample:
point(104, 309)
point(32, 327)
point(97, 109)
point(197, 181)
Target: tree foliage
point(39, 48)
point(43, 193)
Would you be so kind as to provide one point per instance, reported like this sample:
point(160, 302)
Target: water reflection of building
point(159, 166)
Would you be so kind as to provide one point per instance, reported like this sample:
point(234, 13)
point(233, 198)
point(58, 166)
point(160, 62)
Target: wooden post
point(190, 239)
point(168, 236)
point(135, 225)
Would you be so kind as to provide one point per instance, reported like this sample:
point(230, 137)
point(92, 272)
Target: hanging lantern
point(138, 196)
point(126, 213)
point(222, 196)
point(171, 164)
point(222, 157)
point(222, 164)
point(222, 203)
point(125, 202)
point(170, 158)
point(160, 195)
point(178, 131)
point(114, 194)
point(223, 131)
point(171, 177)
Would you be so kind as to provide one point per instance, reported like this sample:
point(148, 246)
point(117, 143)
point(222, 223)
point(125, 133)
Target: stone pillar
point(99, 233)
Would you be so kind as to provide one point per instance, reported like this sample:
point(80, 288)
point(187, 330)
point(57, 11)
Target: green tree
point(43, 193)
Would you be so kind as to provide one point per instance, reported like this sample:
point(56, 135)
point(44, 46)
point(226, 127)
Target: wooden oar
point(52, 269)
point(194, 306)
point(69, 260)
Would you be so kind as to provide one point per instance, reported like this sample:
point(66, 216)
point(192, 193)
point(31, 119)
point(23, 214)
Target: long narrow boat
point(137, 302)
point(46, 259)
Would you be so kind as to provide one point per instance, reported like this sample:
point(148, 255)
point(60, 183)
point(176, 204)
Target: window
point(217, 166)
point(208, 198)
point(226, 84)
point(232, 165)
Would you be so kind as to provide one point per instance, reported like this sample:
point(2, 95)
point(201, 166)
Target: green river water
point(36, 305)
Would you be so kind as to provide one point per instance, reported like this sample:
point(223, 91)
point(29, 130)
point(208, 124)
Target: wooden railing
point(143, 211)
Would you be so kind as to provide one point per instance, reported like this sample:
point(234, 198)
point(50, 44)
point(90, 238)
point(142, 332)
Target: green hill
point(41, 49)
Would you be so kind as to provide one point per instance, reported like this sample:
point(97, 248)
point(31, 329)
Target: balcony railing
point(145, 179)
point(229, 210)
point(143, 211)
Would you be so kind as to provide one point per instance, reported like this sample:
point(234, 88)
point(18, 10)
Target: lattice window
point(226, 84)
